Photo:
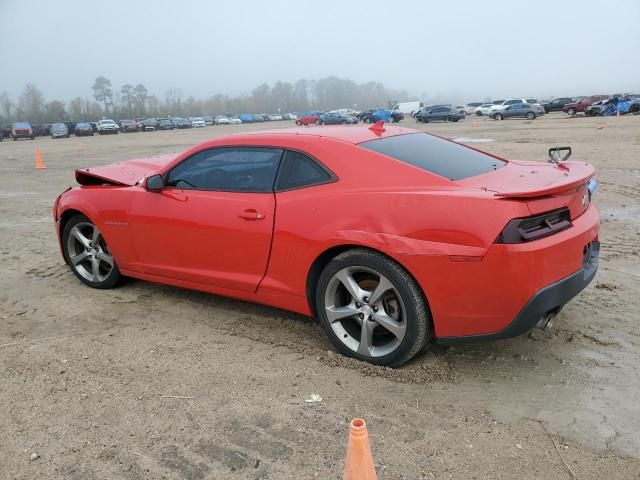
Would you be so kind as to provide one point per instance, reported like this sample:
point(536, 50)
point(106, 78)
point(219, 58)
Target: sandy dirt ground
point(88, 378)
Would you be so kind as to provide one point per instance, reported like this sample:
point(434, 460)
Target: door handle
point(252, 214)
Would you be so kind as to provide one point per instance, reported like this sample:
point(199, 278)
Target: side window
point(298, 170)
point(228, 169)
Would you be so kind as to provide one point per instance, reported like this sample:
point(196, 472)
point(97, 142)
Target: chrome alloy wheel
point(88, 252)
point(365, 311)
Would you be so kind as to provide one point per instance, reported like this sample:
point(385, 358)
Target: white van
point(408, 108)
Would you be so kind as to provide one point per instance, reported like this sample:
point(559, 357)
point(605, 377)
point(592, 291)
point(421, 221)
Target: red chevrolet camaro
point(390, 237)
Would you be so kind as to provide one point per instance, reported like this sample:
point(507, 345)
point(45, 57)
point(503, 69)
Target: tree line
point(134, 100)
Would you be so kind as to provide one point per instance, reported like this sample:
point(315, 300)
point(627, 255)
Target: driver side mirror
point(154, 183)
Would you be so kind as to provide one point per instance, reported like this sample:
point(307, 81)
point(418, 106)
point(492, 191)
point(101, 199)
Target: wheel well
point(325, 257)
point(65, 217)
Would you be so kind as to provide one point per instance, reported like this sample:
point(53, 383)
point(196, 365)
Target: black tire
point(114, 276)
point(417, 316)
point(52, 137)
point(478, 114)
point(32, 137)
point(343, 122)
point(15, 139)
point(298, 122)
point(530, 116)
point(419, 119)
point(498, 116)
point(571, 111)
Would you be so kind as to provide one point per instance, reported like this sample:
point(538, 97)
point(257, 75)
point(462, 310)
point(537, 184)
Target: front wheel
point(571, 111)
point(372, 309)
point(498, 116)
point(88, 255)
point(298, 122)
point(531, 116)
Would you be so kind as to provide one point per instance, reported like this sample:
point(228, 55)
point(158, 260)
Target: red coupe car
point(308, 120)
point(390, 237)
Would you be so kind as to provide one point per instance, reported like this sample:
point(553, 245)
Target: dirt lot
point(86, 376)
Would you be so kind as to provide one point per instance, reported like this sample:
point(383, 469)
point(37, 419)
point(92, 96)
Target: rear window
point(435, 155)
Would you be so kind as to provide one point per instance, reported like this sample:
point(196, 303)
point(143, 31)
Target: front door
point(213, 222)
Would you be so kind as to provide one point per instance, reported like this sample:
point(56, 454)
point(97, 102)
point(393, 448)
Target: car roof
point(350, 134)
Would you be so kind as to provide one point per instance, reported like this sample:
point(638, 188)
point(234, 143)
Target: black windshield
point(435, 155)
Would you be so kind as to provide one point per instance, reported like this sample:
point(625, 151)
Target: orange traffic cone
point(39, 161)
point(474, 124)
point(358, 464)
point(599, 127)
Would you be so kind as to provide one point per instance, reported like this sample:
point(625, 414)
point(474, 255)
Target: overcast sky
point(466, 50)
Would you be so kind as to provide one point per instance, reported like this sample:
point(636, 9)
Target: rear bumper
point(482, 296)
point(549, 299)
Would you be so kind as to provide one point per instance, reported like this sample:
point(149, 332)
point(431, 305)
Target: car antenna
point(377, 127)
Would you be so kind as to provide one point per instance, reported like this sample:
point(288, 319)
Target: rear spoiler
point(582, 175)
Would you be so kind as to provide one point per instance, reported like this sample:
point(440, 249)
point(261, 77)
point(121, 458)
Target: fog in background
point(460, 50)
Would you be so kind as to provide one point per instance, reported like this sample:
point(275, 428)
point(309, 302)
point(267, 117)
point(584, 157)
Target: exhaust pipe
point(546, 322)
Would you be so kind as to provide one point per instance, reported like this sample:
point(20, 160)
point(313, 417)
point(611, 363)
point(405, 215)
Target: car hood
point(125, 173)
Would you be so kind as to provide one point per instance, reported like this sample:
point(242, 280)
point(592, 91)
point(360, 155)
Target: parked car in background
point(59, 130)
point(470, 108)
point(556, 105)
point(484, 109)
point(38, 130)
point(377, 114)
point(462, 109)
point(331, 118)
point(308, 119)
point(290, 116)
point(83, 129)
point(127, 126)
point(513, 101)
point(582, 104)
point(247, 118)
point(181, 123)
point(235, 120)
point(441, 113)
point(22, 130)
point(275, 117)
point(197, 122)
point(165, 124)
point(107, 126)
point(517, 110)
point(221, 120)
point(208, 120)
point(149, 125)
point(94, 126)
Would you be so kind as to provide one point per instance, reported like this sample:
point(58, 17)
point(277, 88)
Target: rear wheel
point(298, 122)
point(571, 111)
point(88, 255)
point(371, 309)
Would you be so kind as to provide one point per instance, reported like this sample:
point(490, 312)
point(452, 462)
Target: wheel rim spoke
point(95, 269)
point(396, 328)
point(77, 234)
point(76, 259)
point(383, 287)
point(105, 258)
point(95, 238)
point(350, 284)
point(366, 338)
point(339, 313)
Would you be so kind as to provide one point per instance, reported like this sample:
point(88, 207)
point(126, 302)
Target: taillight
point(520, 230)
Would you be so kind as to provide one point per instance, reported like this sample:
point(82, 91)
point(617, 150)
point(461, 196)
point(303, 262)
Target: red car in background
point(308, 120)
point(582, 104)
point(389, 236)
